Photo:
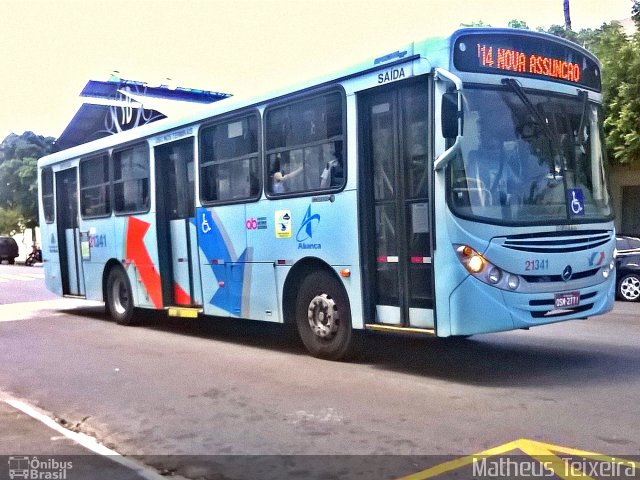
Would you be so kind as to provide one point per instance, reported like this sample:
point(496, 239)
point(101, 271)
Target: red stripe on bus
point(137, 253)
point(180, 296)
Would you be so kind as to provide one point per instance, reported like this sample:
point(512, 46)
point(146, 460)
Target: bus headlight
point(472, 260)
point(482, 269)
point(608, 269)
point(495, 275)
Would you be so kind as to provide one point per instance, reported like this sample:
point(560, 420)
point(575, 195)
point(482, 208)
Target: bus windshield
point(529, 158)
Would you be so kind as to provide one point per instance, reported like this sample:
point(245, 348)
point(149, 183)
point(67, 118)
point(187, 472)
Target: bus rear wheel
point(119, 301)
point(323, 316)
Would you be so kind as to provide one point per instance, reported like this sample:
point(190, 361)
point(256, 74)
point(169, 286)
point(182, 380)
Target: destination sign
point(525, 55)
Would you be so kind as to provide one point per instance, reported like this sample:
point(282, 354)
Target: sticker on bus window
point(575, 197)
point(85, 245)
point(283, 224)
point(420, 217)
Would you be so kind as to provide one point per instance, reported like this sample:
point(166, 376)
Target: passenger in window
point(332, 169)
point(280, 180)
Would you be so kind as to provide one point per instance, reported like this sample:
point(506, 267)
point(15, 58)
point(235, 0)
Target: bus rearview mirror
point(449, 115)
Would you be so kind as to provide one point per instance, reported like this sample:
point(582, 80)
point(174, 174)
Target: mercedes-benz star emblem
point(566, 273)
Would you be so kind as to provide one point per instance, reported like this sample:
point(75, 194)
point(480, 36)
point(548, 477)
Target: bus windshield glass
point(529, 158)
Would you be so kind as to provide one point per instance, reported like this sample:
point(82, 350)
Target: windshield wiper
point(557, 168)
point(580, 140)
point(517, 89)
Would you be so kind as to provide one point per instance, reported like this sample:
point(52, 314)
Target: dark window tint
point(131, 180)
point(305, 145)
point(622, 244)
point(46, 185)
point(95, 191)
point(229, 160)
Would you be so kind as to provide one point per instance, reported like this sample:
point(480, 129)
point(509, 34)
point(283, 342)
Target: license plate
point(566, 300)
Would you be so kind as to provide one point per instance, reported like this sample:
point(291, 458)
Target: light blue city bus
point(453, 187)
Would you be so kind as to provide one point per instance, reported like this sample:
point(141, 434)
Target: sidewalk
point(27, 443)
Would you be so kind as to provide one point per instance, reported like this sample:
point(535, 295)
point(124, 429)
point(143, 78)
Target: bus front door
point(71, 272)
point(174, 212)
point(395, 192)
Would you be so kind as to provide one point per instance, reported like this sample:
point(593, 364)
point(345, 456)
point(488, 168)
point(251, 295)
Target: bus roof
point(437, 51)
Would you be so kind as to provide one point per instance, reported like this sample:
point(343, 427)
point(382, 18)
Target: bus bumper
point(476, 307)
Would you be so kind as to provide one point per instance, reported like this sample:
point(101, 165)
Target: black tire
point(119, 301)
point(12, 261)
point(629, 287)
point(323, 316)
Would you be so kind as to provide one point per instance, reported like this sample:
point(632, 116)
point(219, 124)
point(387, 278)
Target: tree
point(619, 56)
point(9, 221)
point(518, 24)
point(561, 31)
point(19, 179)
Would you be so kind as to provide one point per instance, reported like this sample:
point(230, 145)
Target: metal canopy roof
point(118, 104)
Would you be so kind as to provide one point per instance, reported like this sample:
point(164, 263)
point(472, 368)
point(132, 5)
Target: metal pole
point(567, 15)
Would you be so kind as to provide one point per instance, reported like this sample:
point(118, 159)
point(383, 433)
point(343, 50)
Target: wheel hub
point(630, 288)
point(323, 316)
point(120, 296)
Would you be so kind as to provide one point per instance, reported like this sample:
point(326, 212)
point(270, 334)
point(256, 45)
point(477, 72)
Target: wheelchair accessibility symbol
point(204, 225)
point(575, 197)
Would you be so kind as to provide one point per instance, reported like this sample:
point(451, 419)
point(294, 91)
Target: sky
point(51, 48)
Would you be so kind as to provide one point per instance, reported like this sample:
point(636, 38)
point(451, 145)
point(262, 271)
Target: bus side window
point(229, 159)
point(130, 169)
point(310, 157)
point(47, 194)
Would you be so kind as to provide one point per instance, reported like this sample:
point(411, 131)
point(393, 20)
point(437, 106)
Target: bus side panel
point(195, 263)
point(265, 296)
point(281, 233)
point(135, 239)
point(98, 240)
point(50, 257)
point(222, 244)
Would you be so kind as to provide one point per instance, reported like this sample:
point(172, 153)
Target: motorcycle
point(34, 257)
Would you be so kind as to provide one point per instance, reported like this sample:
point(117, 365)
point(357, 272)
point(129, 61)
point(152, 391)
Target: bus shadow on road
point(488, 360)
point(255, 334)
point(498, 360)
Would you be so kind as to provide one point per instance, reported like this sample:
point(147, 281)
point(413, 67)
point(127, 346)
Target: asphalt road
point(22, 284)
point(224, 387)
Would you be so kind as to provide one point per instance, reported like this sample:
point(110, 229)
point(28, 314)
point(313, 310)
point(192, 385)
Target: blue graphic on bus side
point(214, 247)
point(309, 222)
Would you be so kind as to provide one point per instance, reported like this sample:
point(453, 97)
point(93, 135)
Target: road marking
point(27, 277)
point(33, 275)
point(545, 453)
point(84, 440)
point(12, 312)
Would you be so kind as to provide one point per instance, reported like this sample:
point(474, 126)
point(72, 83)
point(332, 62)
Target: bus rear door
point(177, 244)
point(395, 193)
point(71, 271)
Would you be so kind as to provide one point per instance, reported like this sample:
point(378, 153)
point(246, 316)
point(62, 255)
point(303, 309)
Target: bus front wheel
point(119, 299)
point(323, 316)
